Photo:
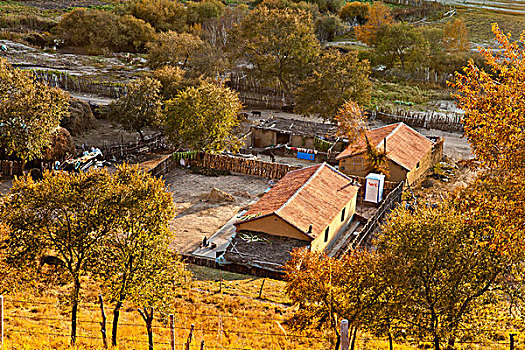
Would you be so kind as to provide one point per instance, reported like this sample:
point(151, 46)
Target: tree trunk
point(390, 341)
point(436, 342)
point(116, 314)
point(74, 309)
point(148, 318)
point(354, 335)
point(451, 342)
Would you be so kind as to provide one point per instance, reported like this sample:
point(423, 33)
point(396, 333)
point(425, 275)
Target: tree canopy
point(493, 103)
point(336, 79)
point(203, 118)
point(29, 113)
point(279, 44)
point(140, 107)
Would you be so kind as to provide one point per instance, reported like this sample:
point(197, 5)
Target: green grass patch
point(385, 93)
point(479, 23)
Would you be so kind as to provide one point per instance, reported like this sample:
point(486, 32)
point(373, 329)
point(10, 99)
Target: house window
point(343, 215)
point(342, 167)
point(417, 165)
point(326, 234)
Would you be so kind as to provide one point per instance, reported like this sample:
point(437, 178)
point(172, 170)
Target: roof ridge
point(417, 132)
point(340, 173)
point(391, 133)
point(300, 188)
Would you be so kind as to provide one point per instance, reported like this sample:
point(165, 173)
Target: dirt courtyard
point(196, 216)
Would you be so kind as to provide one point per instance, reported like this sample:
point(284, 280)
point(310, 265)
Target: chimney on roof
point(310, 229)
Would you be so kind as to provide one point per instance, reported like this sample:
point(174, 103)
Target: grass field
point(224, 308)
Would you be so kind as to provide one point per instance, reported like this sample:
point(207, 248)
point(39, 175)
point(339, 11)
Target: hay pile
point(60, 147)
point(218, 196)
point(80, 119)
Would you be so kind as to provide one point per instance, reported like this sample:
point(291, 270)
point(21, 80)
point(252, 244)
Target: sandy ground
point(106, 133)
point(195, 216)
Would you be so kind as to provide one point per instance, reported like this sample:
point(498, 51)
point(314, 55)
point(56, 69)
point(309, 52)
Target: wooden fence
point(123, 151)
point(388, 204)
point(240, 165)
point(68, 82)
point(163, 167)
point(428, 120)
point(11, 168)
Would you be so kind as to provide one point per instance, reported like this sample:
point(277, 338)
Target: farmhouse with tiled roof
point(410, 154)
point(312, 204)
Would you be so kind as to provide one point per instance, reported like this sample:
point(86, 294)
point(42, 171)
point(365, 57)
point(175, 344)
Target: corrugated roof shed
point(404, 145)
point(309, 196)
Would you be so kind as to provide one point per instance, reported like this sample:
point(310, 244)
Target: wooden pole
point(512, 335)
point(202, 344)
point(2, 321)
point(172, 333)
point(103, 323)
point(188, 342)
point(261, 290)
point(344, 335)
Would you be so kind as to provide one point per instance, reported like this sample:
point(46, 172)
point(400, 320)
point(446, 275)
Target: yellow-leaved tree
point(494, 104)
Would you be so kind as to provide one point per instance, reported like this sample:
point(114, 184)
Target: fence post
point(188, 342)
point(103, 323)
point(512, 335)
point(344, 335)
point(2, 321)
point(172, 333)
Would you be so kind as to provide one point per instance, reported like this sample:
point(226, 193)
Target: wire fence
point(201, 335)
point(162, 327)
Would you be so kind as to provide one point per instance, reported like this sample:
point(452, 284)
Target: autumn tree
point(171, 79)
point(101, 31)
point(447, 262)
point(336, 79)
point(202, 11)
point(279, 43)
point(493, 103)
point(63, 214)
point(355, 12)
point(29, 113)
point(455, 36)
point(376, 158)
point(327, 290)
point(203, 118)
point(187, 52)
point(140, 107)
point(327, 27)
point(378, 16)
point(351, 121)
point(402, 43)
point(163, 15)
point(137, 252)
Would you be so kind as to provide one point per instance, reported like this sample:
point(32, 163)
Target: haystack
point(80, 119)
point(218, 196)
point(60, 147)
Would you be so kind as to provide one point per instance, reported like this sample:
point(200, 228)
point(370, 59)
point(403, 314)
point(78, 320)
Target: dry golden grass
point(224, 307)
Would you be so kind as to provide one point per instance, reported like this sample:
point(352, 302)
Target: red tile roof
point(404, 145)
point(310, 196)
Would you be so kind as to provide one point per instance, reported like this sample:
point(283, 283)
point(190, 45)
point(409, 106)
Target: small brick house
point(312, 204)
point(410, 154)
